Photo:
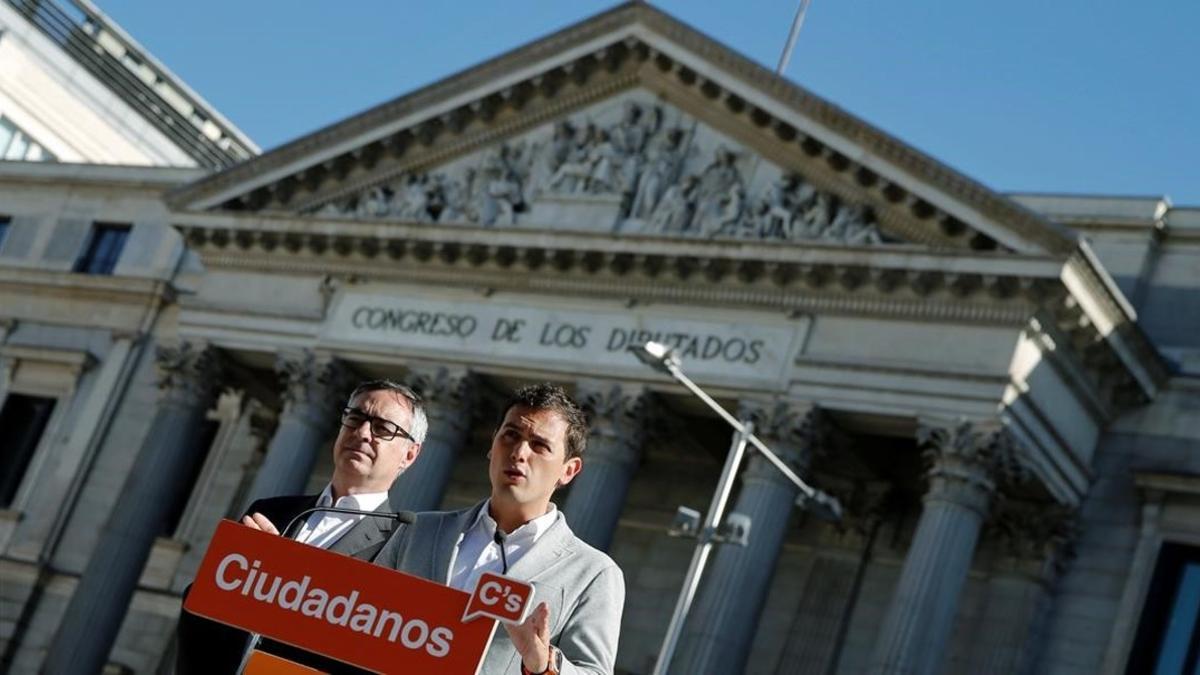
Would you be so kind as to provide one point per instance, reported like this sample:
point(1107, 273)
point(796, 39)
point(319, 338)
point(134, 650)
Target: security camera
point(686, 523)
point(735, 529)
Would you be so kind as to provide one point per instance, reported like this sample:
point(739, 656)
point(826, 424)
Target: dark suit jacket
point(210, 648)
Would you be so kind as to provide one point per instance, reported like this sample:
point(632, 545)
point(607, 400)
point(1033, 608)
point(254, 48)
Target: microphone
point(402, 517)
point(500, 537)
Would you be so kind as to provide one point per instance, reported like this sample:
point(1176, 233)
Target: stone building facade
point(1000, 389)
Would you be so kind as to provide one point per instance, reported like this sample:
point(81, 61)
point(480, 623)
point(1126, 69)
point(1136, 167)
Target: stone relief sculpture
point(573, 173)
point(638, 173)
point(673, 214)
point(501, 195)
point(662, 166)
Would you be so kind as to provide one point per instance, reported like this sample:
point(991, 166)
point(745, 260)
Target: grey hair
point(419, 426)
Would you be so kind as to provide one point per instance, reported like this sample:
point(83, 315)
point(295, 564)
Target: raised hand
point(259, 522)
point(532, 639)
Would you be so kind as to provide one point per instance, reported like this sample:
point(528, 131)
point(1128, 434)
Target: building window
point(5, 224)
point(16, 144)
point(22, 421)
point(103, 249)
point(1168, 639)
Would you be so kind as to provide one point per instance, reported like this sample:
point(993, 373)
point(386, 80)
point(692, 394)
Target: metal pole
point(804, 488)
point(792, 36)
point(716, 510)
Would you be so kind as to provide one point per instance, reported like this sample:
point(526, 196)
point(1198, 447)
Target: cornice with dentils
point(834, 126)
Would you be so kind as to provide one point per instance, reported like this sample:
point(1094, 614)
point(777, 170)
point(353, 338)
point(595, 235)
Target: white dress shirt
point(477, 551)
point(323, 528)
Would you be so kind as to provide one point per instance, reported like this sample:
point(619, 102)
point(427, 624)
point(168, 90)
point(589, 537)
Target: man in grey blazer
point(537, 448)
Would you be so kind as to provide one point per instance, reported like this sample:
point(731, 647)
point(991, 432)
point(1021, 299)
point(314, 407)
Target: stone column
point(614, 449)
point(314, 391)
point(1137, 581)
point(188, 375)
point(817, 634)
point(1037, 540)
point(961, 460)
point(721, 627)
point(449, 396)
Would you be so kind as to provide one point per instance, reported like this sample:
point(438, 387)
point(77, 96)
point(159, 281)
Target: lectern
point(360, 614)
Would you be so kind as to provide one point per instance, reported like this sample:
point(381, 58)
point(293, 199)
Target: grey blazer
point(583, 587)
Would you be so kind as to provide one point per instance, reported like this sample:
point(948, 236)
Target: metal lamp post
point(665, 360)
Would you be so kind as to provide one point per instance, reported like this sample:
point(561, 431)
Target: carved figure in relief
point(635, 128)
point(604, 161)
point(572, 175)
point(630, 137)
point(548, 157)
point(715, 191)
point(851, 226)
point(726, 218)
point(720, 174)
point(673, 215)
point(451, 197)
point(501, 193)
point(666, 158)
point(412, 202)
point(373, 204)
point(815, 218)
point(771, 217)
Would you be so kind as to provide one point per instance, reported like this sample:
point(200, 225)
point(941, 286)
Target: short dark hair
point(546, 396)
point(418, 421)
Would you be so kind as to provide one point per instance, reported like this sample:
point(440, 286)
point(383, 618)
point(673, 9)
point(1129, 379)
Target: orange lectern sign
point(365, 615)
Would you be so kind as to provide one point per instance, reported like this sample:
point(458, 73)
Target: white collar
point(363, 501)
point(530, 531)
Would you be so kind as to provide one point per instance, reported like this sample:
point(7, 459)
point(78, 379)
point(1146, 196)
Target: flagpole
point(797, 22)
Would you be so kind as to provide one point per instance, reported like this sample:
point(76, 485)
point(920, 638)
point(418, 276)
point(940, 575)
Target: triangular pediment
point(631, 163)
point(628, 123)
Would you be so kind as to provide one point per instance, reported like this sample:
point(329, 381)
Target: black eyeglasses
point(384, 430)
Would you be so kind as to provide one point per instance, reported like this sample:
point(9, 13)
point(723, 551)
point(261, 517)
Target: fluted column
point(449, 396)
point(613, 451)
point(817, 632)
point(314, 390)
point(962, 461)
point(1037, 541)
point(188, 375)
point(721, 626)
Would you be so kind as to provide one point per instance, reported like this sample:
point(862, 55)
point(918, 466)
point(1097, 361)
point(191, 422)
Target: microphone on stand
point(402, 517)
point(500, 537)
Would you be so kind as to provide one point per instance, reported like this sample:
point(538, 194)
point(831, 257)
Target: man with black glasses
point(383, 426)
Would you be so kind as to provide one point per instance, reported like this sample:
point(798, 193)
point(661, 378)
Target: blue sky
point(1077, 96)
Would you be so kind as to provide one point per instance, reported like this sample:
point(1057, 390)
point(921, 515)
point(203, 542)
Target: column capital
point(796, 431)
point(614, 409)
point(1038, 537)
point(439, 386)
point(188, 372)
point(312, 379)
point(964, 459)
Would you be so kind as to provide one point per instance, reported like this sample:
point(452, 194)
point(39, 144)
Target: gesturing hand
point(259, 522)
point(532, 639)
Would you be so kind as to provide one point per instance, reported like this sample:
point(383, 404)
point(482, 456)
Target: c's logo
point(501, 598)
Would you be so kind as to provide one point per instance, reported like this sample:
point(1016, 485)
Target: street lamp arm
point(823, 505)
